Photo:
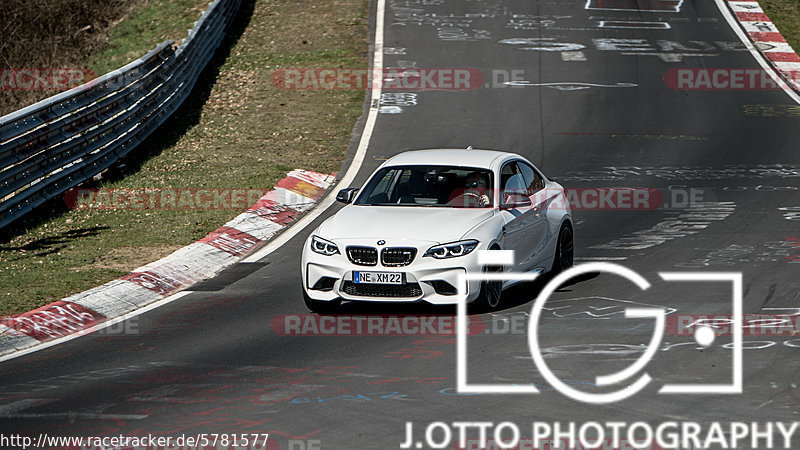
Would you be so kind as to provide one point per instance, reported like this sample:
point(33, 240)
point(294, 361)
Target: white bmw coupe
point(420, 221)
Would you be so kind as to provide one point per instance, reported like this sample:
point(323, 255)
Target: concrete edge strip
point(86, 311)
point(768, 40)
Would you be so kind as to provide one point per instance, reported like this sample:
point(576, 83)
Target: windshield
point(433, 186)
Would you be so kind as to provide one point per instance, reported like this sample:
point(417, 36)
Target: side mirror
point(347, 195)
point(511, 200)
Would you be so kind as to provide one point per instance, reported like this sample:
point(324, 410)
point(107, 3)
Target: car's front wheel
point(321, 307)
point(491, 294)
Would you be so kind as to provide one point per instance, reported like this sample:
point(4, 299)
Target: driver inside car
point(474, 193)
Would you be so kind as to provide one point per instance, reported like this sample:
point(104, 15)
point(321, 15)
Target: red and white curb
point(296, 193)
point(768, 40)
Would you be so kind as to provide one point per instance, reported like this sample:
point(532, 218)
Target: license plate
point(377, 277)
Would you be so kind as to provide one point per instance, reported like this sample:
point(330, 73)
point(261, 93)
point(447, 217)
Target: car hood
point(438, 225)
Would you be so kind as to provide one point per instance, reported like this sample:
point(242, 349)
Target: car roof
point(450, 157)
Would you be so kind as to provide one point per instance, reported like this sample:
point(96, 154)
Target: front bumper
point(427, 279)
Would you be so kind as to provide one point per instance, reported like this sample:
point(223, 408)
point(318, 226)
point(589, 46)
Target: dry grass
point(235, 131)
point(126, 259)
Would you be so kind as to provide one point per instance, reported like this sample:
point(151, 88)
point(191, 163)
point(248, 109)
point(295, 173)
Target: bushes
point(52, 34)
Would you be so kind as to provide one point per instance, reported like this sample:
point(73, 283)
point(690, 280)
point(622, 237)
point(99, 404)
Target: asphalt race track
point(590, 106)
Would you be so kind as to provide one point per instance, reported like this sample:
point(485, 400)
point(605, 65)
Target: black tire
point(321, 307)
point(565, 250)
point(491, 296)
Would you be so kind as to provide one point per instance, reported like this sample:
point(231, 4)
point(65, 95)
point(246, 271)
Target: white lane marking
point(789, 311)
point(734, 24)
point(632, 5)
point(569, 85)
point(389, 110)
point(573, 56)
point(633, 25)
point(358, 159)
point(97, 327)
point(670, 57)
point(600, 258)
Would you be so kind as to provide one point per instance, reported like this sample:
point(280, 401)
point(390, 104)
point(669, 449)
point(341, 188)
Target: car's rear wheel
point(491, 294)
point(321, 307)
point(565, 250)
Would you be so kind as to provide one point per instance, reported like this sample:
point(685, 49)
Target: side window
point(511, 180)
point(533, 180)
point(505, 174)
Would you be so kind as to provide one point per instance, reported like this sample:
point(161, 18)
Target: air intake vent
point(442, 287)
point(382, 290)
point(324, 284)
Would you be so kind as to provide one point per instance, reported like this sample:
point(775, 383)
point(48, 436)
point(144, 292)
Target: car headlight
point(452, 250)
point(323, 247)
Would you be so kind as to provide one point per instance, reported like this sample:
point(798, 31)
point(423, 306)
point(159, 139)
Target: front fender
point(488, 232)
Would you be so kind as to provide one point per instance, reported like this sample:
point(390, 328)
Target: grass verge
point(147, 25)
point(786, 16)
point(235, 131)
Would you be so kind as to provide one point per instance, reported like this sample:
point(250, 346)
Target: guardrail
point(65, 140)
